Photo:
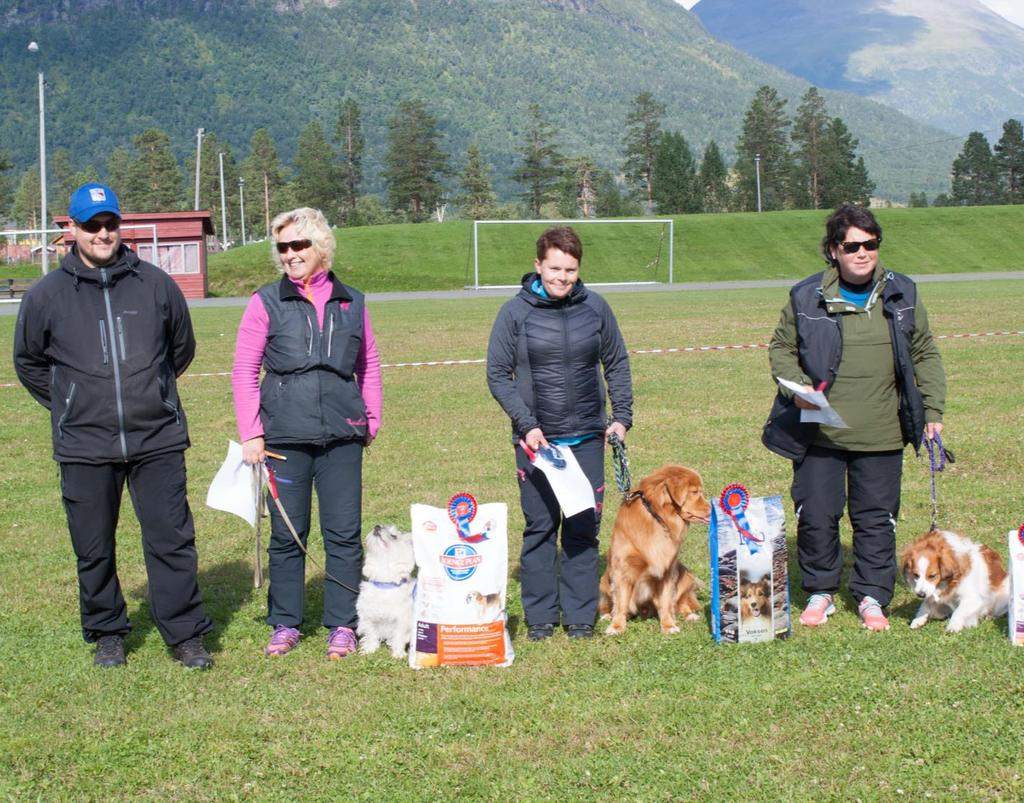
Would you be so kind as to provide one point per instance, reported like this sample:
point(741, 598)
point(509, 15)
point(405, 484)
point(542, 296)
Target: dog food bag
point(749, 574)
point(459, 603)
point(1015, 610)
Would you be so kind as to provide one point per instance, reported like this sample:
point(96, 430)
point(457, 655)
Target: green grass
point(774, 245)
point(834, 713)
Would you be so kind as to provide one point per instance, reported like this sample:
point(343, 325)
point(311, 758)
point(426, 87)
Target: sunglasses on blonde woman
point(294, 245)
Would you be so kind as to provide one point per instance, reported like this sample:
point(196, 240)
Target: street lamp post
point(757, 170)
point(241, 204)
point(199, 159)
point(44, 256)
point(223, 205)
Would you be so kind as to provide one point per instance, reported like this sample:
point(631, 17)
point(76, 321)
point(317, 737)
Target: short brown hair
point(564, 238)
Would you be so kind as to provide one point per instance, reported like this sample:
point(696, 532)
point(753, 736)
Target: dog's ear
point(947, 568)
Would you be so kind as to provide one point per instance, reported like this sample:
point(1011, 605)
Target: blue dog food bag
point(749, 568)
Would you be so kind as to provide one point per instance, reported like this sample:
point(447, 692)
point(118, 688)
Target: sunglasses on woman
point(854, 247)
point(294, 245)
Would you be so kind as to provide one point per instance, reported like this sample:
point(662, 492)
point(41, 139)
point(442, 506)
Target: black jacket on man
point(545, 360)
point(101, 349)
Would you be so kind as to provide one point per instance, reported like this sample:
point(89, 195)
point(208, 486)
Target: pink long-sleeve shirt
point(252, 341)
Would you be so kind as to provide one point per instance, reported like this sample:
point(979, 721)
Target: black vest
point(309, 393)
point(820, 349)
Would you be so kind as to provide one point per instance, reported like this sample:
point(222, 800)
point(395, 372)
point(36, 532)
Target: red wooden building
point(180, 239)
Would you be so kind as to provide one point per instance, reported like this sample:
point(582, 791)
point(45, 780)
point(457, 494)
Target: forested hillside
point(117, 67)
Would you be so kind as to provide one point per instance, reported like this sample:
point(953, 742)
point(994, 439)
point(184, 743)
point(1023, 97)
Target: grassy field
point(834, 713)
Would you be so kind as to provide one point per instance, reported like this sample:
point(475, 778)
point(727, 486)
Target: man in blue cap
point(100, 343)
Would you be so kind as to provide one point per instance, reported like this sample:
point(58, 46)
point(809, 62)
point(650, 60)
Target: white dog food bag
point(749, 568)
point(459, 614)
point(1015, 610)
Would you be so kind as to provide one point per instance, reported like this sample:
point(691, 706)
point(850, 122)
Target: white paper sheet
point(826, 415)
point(571, 486)
point(233, 490)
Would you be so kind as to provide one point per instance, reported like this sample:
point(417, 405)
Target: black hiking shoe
point(192, 654)
point(540, 632)
point(580, 631)
point(110, 651)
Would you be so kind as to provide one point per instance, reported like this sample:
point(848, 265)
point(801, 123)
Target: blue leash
point(938, 457)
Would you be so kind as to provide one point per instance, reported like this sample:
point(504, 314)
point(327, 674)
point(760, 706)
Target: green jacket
point(864, 387)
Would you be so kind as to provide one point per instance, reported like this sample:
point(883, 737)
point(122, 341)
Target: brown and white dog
point(955, 578)
point(643, 567)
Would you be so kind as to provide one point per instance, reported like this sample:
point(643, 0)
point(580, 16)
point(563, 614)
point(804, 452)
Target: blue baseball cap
point(90, 200)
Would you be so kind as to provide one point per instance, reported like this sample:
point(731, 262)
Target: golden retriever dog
point(644, 571)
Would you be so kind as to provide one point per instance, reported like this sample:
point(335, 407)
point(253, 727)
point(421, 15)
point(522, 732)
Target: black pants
point(336, 471)
point(868, 484)
point(570, 583)
point(92, 501)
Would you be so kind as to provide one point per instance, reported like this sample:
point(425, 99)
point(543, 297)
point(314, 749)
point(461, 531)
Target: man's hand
point(803, 404)
point(254, 451)
point(932, 429)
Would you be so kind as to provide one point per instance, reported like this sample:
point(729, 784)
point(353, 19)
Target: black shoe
point(192, 654)
point(580, 631)
point(540, 632)
point(110, 651)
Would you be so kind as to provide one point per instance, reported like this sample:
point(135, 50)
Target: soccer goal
point(616, 251)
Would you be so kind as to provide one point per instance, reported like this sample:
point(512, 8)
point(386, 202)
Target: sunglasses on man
point(93, 226)
point(294, 245)
point(854, 247)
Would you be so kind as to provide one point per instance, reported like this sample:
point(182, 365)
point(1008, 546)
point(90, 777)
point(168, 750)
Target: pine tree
point(1009, 159)
point(317, 181)
point(609, 198)
point(348, 133)
point(120, 179)
point(541, 168)
point(844, 178)
point(810, 133)
point(713, 179)
point(25, 203)
point(640, 143)
point(576, 195)
point(764, 141)
point(6, 196)
point(414, 165)
point(476, 199)
point(676, 189)
point(268, 178)
point(155, 174)
point(975, 181)
point(918, 200)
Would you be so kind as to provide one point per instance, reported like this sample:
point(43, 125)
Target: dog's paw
point(918, 622)
point(955, 626)
point(612, 630)
point(606, 617)
point(367, 647)
point(693, 617)
point(669, 630)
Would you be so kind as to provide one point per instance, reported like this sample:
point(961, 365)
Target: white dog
point(385, 595)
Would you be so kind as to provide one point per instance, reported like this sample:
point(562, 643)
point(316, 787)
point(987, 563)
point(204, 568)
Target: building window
point(175, 258)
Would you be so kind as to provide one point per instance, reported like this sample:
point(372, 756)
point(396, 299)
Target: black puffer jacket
point(545, 360)
point(101, 348)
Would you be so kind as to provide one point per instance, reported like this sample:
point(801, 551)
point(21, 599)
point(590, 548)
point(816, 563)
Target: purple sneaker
point(282, 640)
point(341, 641)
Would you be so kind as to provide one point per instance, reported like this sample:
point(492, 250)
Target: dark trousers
point(336, 471)
point(92, 501)
point(547, 582)
point(868, 484)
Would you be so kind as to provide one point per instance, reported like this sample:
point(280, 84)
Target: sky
point(1013, 10)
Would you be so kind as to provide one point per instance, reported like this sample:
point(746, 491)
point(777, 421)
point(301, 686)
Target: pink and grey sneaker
point(282, 640)
point(341, 641)
point(819, 609)
point(870, 610)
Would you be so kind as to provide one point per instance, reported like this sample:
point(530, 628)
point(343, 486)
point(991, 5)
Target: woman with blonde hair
point(318, 407)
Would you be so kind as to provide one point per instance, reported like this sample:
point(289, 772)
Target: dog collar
point(382, 584)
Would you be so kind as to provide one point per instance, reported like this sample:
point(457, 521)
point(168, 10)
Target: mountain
point(115, 67)
point(952, 63)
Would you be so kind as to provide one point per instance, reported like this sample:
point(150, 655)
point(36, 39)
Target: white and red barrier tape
point(671, 350)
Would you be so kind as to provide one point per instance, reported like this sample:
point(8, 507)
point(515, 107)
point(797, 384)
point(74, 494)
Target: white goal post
point(569, 222)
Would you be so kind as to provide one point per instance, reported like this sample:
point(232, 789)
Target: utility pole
point(223, 205)
point(199, 159)
point(44, 254)
point(757, 169)
point(241, 203)
point(266, 204)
